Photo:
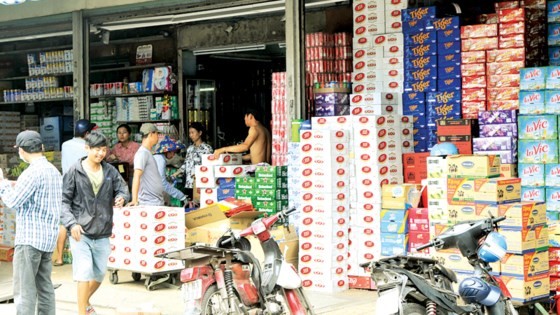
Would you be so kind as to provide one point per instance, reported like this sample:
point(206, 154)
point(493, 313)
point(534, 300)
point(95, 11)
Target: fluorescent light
point(230, 49)
point(281, 45)
point(35, 36)
point(243, 10)
point(206, 90)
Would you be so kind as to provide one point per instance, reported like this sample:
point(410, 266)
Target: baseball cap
point(82, 126)
point(148, 128)
point(28, 138)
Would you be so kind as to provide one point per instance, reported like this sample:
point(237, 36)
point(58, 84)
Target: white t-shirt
point(72, 151)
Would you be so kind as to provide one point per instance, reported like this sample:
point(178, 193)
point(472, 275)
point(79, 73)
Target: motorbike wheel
point(413, 309)
point(212, 302)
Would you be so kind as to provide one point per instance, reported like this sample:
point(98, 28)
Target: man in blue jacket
point(91, 189)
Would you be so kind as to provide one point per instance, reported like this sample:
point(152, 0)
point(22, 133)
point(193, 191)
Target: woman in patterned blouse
point(125, 149)
point(197, 134)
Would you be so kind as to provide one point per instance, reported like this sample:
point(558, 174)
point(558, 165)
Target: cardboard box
point(452, 258)
point(538, 151)
point(207, 225)
point(527, 265)
point(460, 190)
point(473, 166)
point(456, 127)
point(522, 290)
point(540, 127)
point(533, 175)
point(523, 214)
point(536, 194)
point(6, 253)
point(551, 175)
point(394, 221)
point(497, 190)
point(400, 197)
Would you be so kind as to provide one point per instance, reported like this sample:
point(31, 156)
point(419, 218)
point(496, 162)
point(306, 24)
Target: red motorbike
point(230, 280)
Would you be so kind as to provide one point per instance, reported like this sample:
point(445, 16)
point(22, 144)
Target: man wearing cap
point(147, 187)
point(72, 151)
point(37, 199)
point(166, 149)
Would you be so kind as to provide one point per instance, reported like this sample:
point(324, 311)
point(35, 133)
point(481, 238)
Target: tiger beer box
point(206, 225)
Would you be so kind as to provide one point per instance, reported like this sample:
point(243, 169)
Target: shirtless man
point(258, 142)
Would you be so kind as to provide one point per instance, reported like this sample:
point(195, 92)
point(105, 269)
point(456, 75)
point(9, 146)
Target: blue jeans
point(33, 288)
point(90, 258)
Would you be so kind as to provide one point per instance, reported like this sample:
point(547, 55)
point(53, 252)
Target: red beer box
point(331, 123)
point(223, 159)
point(381, 98)
point(231, 170)
point(482, 43)
point(473, 57)
point(479, 31)
point(204, 176)
point(505, 55)
point(511, 15)
point(324, 136)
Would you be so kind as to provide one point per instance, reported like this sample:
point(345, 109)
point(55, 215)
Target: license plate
point(192, 290)
point(388, 302)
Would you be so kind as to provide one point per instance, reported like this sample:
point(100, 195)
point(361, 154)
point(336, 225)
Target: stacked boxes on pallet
point(142, 232)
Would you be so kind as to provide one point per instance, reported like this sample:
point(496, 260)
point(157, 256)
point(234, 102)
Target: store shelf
point(137, 67)
point(39, 101)
point(131, 94)
point(37, 76)
point(149, 121)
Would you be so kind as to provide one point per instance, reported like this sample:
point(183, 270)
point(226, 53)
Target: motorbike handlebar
point(499, 219)
point(421, 247)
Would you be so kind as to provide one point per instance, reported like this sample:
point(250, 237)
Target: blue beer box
point(554, 56)
point(428, 85)
point(449, 48)
point(420, 38)
point(453, 35)
point(447, 23)
point(553, 11)
point(449, 60)
point(442, 97)
point(421, 134)
point(554, 34)
point(419, 14)
point(416, 108)
point(420, 121)
point(420, 51)
point(449, 84)
point(415, 26)
point(421, 74)
point(421, 146)
point(413, 97)
point(449, 72)
point(421, 62)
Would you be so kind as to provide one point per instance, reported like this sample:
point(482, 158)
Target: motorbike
point(229, 279)
point(409, 285)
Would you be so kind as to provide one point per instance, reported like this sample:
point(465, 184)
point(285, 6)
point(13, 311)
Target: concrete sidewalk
point(127, 292)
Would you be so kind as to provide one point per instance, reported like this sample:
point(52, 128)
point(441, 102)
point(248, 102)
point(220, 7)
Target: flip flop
point(58, 264)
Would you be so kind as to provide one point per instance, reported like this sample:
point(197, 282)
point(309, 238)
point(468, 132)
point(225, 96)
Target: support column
point(295, 61)
point(80, 49)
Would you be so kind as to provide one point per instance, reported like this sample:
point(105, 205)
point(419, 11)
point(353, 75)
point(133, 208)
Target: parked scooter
point(231, 281)
point(410, 285)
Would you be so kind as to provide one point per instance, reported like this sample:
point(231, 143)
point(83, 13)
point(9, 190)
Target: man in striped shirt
point(37, 199)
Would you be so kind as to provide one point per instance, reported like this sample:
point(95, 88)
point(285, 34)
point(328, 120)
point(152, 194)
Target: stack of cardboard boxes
point(325, 201)
point(396, 202)
point(328, 59)
point(432, 73)
point(279, 120)
point(500, 127)
point(7, 232)
point(553, 15)
point(215, 177)
point(140, 233)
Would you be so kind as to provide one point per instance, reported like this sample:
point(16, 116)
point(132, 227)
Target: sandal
point(58, 264)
